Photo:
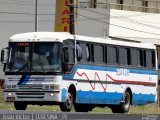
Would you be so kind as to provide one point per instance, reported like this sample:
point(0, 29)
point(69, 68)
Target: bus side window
point(98, 54)
point(141, 58)
point(87, 52)
point(153, 59)
point(149, 59)
point(117, 55)
point(122, 56)
point(128, 56)
point(112, 55)
point(79, 52)
point(134, 57)
point(105, 55)
point(109, 55)
point(92, 53)
point(83, 53)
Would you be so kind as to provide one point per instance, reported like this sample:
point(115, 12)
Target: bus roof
point(61, 36)
point(40, 37)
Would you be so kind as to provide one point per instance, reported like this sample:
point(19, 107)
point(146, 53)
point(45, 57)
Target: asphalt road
point(47, 115)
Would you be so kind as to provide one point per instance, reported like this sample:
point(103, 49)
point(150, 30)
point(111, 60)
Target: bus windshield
point(34, 57)
point(46, 57)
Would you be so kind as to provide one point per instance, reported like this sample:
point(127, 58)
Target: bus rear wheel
point(68, 104)
point(20, 105)
point(125, 106)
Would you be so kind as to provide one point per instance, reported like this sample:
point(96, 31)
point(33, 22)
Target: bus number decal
point(122, 72)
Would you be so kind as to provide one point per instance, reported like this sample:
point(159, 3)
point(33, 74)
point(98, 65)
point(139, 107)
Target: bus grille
point(33, 95)
point(30, 86)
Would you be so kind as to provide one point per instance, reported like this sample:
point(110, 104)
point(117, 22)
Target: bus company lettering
point(122, 72)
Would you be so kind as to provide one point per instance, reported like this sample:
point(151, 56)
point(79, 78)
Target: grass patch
point(147, 109)
point(54, 108)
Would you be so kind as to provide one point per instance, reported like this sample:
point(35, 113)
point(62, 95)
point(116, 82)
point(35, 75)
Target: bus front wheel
point(68, 104)
point(20, 105)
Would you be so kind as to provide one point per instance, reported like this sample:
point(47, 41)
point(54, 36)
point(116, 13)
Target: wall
point(135, 25)
point(93, 22)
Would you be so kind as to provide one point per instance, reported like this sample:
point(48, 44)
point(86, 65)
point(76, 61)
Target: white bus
point(44, 68)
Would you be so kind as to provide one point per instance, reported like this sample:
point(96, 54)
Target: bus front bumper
point(39, 96)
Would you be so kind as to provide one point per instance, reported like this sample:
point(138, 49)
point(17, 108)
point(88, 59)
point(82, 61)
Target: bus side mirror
point(4, 54)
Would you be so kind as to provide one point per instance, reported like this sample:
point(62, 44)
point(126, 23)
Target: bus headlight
point(51, 94)
point(9, 94)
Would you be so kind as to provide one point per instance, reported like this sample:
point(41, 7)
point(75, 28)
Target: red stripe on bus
point(115, 80)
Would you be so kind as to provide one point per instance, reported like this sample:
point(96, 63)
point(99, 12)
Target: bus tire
point(68, 104)
point(20, 105)
point(125, 106)
point(127, 102)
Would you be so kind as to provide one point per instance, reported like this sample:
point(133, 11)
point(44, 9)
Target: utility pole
point(73, 12)
point(72, 17)
point(36, 23)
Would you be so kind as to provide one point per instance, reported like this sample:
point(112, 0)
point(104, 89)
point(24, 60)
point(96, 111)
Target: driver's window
point(19, 58)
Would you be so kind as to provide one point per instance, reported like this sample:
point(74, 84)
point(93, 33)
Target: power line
point(123, 17)
point(12, 21)
point(118, 25)
point(39, 4)
point(24, 13)
point(140, 23)
point(30, 21)
point(22, 1)
point(17, 13)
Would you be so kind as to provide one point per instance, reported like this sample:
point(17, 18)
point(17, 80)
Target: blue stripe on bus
point(141, 99)
point(88, 97)
point(91, 97)
point(24, 79)
point(63, 95)
point(110, 69)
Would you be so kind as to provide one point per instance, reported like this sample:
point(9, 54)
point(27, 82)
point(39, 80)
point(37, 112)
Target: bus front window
point(18, 59)
point(46, 57)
